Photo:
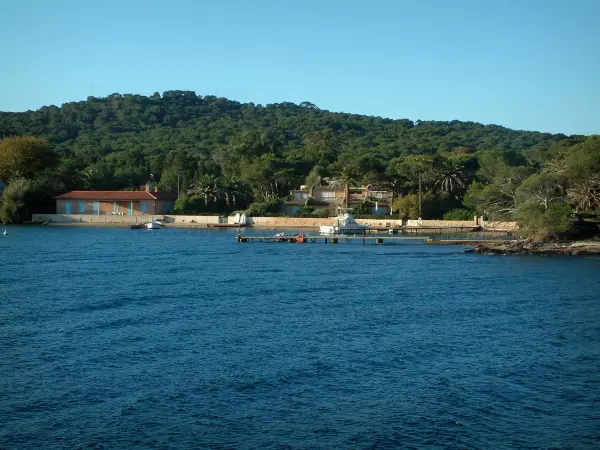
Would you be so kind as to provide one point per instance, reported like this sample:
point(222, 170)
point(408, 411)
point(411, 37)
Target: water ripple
point(183, 338)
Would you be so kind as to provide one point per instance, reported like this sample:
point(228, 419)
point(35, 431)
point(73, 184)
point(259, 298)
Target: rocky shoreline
point(526, 247)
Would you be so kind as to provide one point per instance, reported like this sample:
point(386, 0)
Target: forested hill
point(224, 156)
point(181, 120)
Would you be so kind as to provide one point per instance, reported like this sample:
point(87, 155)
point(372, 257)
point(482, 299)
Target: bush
point(305, 211)
point(264, 209)
point(19, 200)
point(407, 207)
point(195, 204)
point(459, 214)
point(543, 224)
point(320, 213)
point(360, 209)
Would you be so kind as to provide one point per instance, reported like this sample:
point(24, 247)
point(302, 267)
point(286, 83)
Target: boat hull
point(154, 226)
point(333, 230)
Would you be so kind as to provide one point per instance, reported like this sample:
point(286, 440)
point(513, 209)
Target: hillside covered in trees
point(224, 155)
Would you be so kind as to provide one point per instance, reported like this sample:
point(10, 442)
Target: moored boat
point(154, 225)
point(343, 223)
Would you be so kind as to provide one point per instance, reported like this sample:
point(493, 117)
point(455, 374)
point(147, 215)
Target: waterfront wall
point(92, 218)
point(125, 220)
point(193, 220)
point(283, 222)
point(499, 226)
point(279, 222)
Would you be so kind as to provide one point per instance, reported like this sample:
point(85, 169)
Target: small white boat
point(344, 223)
point(154, 225)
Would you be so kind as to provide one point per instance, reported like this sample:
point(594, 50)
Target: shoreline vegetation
point(223, 157)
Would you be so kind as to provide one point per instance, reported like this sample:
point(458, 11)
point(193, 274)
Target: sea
point(184, 338)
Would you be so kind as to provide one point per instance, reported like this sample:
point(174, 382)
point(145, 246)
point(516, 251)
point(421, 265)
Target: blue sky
point(526, 64)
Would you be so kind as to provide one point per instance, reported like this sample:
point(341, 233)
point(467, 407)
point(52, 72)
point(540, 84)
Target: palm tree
point(345, 179)
point(450, 176)
point(206, 185)
point(231, 187)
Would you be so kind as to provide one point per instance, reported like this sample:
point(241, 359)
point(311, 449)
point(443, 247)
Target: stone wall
point(382, 223)
point(441, 223)
point(124, 219)
point(93, 218)
point(284, 222)
point(499, 226)
point(193, 220)
point(280, 222)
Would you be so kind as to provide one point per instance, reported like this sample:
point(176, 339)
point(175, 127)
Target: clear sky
point(528, 64)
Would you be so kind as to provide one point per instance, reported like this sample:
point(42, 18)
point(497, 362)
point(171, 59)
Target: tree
point(407, 207)
point(497, 199)
point(345, 178)
point(450, 176)
point(18, 198)
point(24, 157)
point(407, 170)
point(585, 194)
point(320, 147)
point(544, 224)
point(98, 176)
point(205, 185)
point(542, 189)
point(313, 179)
point(234, 189)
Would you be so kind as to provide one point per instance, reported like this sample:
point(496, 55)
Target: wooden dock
point(424, 229)
point(379, 240)
point(332, 239)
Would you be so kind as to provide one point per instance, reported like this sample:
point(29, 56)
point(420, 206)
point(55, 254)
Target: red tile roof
point(117, 195)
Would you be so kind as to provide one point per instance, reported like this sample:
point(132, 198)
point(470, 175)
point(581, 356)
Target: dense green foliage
point(224, 156)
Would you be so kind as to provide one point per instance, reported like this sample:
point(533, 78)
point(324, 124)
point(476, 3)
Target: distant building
point(126, 203)
point(329, 197)
point(320, 195)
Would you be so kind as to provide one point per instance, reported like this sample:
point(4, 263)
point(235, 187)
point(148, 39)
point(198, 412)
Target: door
point(81, 207)
point(67, 207)
point(130, 209)
point(96, 208)
point(143, 207)
point(115, 207)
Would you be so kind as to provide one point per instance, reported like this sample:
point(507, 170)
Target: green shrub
point(305, 211)
point(19, 200)
point(459, 214)
point(360, 209)
point(258, 209)
point(537, 222)
point(320, 213)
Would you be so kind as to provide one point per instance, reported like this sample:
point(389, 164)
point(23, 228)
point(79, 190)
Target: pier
point(364, 239)
point(332, 239)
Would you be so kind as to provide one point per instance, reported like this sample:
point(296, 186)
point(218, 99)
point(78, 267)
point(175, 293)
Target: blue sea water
point(183, 338)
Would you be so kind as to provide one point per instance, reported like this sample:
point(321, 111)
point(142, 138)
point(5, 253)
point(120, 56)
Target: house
point(330, 197)
point(126, 203)
point(319, 195)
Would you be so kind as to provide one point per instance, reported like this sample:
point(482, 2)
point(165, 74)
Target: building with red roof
point(127, 203)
